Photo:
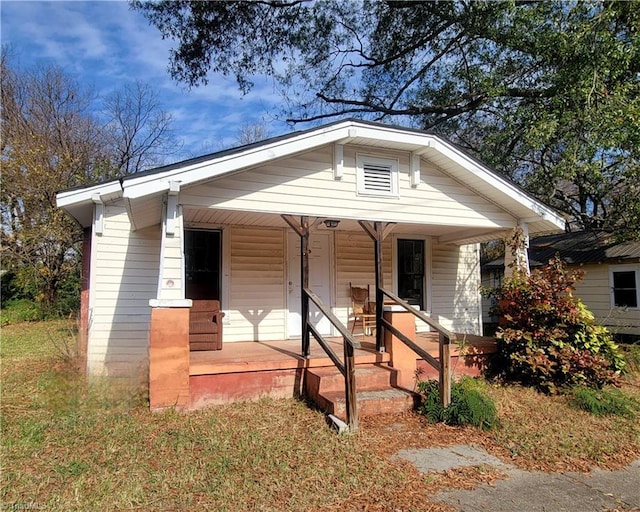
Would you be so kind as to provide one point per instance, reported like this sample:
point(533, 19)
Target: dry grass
point(542, 432)
point(70, 446)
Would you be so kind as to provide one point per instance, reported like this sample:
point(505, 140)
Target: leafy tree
point(546, 92)
point(51, 142)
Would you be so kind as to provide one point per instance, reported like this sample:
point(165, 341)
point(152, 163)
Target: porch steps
point(375, 393)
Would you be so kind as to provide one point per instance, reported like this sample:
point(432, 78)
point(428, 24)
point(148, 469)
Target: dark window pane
point(202, 264)
point(625, 293)
point(411, 271)
point(626, 298)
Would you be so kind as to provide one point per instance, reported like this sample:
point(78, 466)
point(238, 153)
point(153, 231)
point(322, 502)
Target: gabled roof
point(146, 189)
point(577, 248)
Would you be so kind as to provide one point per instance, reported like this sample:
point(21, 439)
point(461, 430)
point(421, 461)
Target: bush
point(604, 402)
point(21, 310)
point(547, 338)
point(470, 405)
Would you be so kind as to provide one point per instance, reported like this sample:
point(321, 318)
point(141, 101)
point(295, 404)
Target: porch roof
point(143, 192)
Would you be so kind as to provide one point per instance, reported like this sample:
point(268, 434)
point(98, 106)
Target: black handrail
point(347, 369)
point(445, 337)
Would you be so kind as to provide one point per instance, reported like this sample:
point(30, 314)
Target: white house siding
point(355, 264)
point(124, 276)
point(305, 185)
point(455, 287)
point(257, 309)
point(595, 292)
point(257, 303)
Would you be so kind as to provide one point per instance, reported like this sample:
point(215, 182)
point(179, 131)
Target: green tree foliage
point(51, 142)
point(546, 92)
point(547, 338)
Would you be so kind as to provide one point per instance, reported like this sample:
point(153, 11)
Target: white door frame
point(293, 238)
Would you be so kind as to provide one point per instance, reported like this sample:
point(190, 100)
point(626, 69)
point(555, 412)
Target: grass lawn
point(70, 446)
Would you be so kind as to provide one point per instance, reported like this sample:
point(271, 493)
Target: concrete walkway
point(530, 491)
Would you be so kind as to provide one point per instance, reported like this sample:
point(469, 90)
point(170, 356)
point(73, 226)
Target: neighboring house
point(611, 284)
point(219, 227)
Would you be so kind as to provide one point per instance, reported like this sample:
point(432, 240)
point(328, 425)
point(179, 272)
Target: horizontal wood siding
point(355, 264)
point(305, 185)
point(124, 277)
point(455, 291)
point(257, 309)
point(595, 292)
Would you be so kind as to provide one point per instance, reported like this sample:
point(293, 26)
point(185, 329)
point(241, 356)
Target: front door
point(319, 281)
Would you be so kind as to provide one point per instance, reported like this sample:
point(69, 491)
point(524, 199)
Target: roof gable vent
point(377, 176)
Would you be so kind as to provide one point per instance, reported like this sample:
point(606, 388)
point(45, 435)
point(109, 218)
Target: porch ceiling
point(205, 217)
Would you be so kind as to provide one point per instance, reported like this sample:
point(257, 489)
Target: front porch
point(251, 370)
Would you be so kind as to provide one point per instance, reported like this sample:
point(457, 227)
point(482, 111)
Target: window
point(625, 286)
point(377, 176)
point(411, 271)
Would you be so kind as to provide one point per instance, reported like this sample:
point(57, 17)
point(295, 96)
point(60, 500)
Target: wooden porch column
point(377, 247)
point(169, 354)
point(302, 229)
point(378, 232)
point(445, 370)
point(304, 284)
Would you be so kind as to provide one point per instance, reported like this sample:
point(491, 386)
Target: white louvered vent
point(377, 176)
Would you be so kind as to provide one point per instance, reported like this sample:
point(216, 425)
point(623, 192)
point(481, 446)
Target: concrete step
point(370, 402)
point(328, 379)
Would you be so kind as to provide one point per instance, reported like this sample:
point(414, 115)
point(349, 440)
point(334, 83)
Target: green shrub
point(601, 402)
point(547, 338)
point(470, 405)
point(21, 310)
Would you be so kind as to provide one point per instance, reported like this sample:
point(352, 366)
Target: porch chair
point(361, 310)
point(205, 325)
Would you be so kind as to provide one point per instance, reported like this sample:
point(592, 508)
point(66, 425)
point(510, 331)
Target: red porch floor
point(253, 356)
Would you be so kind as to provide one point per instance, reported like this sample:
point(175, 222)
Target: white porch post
point(171, 281)
point(516, 255)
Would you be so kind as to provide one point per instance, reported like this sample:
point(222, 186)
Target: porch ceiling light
point(331, 223)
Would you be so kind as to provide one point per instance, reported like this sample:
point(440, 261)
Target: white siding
point(257, 308)
point(455, 289)
point(124, 276)
point(355, 264)
point(595, 292)
point(305, 185)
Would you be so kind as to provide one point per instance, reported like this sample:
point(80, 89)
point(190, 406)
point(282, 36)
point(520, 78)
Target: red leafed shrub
point(547, 338)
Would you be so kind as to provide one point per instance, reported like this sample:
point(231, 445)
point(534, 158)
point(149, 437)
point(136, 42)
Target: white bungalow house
point(229, 227)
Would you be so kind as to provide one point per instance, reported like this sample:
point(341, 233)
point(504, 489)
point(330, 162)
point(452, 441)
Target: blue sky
point(105, 45)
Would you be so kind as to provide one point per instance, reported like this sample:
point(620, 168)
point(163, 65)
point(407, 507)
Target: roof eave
point(79, 202)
